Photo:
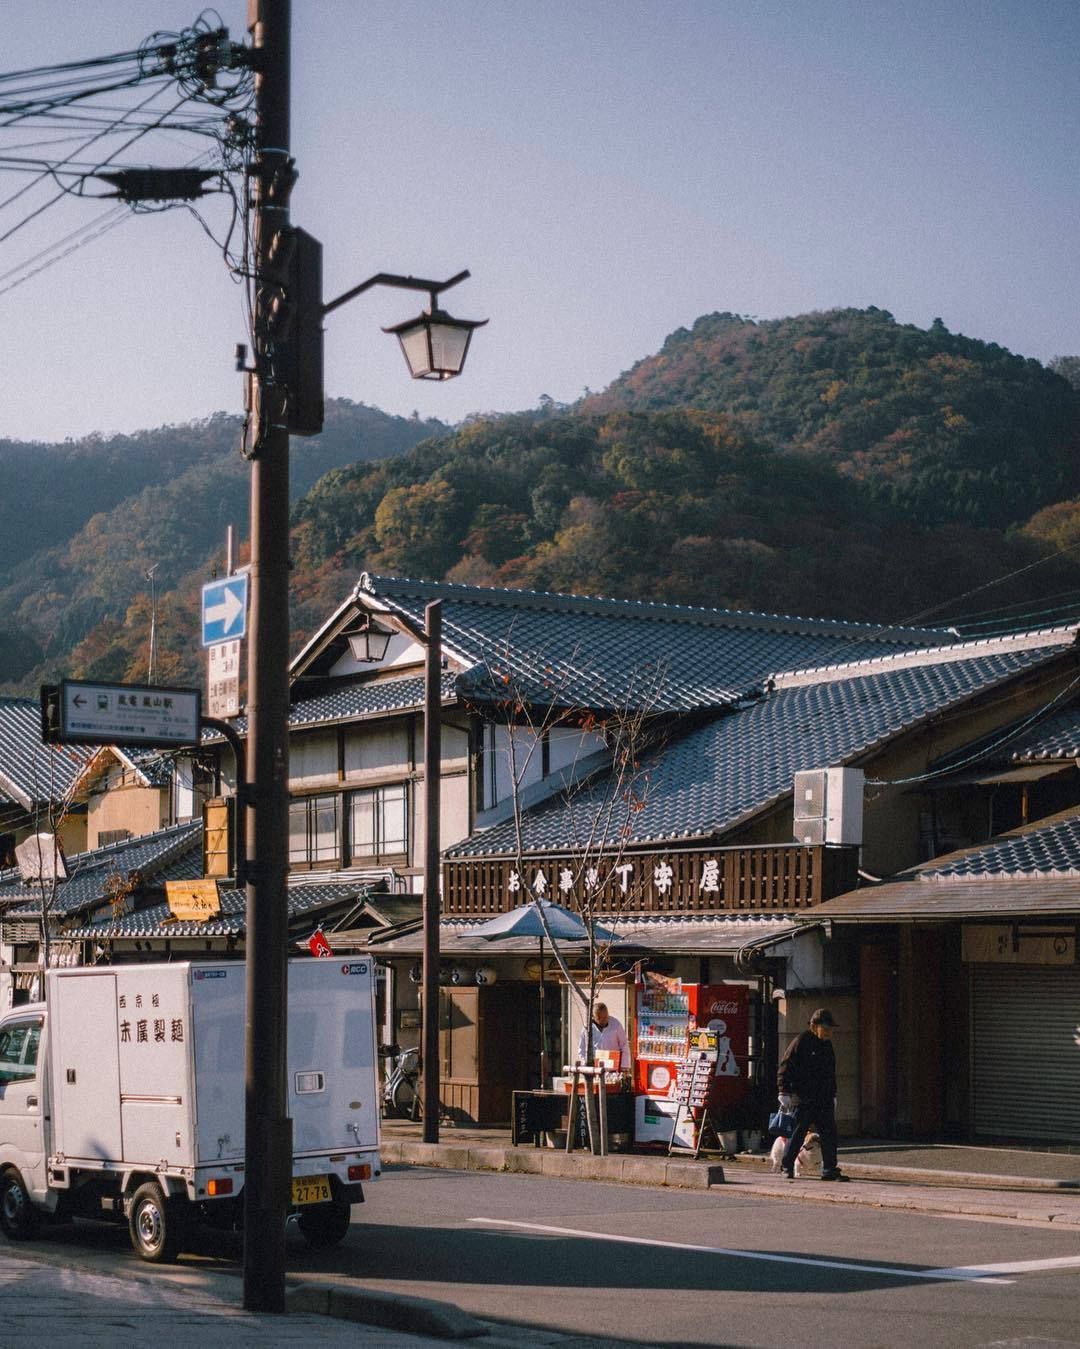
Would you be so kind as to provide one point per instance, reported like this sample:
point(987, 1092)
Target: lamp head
point(434, 344)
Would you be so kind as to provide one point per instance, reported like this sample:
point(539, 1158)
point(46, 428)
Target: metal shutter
point(1025, 1026)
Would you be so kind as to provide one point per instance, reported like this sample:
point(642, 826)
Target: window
point(314, 830)
point(378, 823)
point(19, 1051)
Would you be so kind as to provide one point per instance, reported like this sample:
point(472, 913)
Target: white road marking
point(976, 1274)
point(1016, 1266)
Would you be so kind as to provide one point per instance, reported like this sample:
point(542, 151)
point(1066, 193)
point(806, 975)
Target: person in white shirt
point(607, 1034)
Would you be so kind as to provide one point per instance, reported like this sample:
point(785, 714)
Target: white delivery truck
point(122, 1096)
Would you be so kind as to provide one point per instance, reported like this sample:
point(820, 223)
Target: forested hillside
point(81, 524)
point(831, 464)
point(937, 425)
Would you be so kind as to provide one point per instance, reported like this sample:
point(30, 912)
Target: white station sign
point(128, 714)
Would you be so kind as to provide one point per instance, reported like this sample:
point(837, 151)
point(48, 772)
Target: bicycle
point(401, 1088)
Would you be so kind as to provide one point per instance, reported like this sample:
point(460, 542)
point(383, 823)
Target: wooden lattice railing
point(764, 879)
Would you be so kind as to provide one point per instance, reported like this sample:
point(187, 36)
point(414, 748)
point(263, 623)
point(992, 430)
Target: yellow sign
point(193, 901)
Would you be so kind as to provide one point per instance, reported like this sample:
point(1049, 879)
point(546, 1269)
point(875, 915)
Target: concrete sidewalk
point(1011, 1183)
point(55, 1302)
point(50, 1298)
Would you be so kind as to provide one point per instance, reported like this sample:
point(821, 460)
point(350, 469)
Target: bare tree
point(40, 856)
point(601, 794)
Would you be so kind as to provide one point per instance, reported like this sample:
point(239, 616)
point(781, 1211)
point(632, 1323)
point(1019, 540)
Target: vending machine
point(725, 1010)
point(667, 1011)
point(662, 1022)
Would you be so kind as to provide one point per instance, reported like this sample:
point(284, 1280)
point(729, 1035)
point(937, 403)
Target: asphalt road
point(713, 1268)
point(626, 1264)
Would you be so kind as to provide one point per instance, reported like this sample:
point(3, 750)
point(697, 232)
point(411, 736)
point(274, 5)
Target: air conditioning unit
point(828, 805)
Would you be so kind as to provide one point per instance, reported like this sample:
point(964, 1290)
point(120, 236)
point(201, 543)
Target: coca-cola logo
point(721, 1008)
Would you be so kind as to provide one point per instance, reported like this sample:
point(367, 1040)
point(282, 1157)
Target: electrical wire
point(988, 585)
point(94, 229)
point(58, 87)
point(980, 614)
point(50, 170)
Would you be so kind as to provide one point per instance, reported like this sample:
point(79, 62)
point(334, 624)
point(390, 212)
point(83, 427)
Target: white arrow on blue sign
point(224, 610)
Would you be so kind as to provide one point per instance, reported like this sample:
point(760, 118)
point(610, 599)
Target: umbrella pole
point(543, 1023)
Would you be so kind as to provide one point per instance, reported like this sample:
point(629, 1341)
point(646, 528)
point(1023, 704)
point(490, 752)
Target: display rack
point(692, 1093)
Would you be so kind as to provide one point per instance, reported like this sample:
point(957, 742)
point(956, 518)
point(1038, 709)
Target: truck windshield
point(19, 1051)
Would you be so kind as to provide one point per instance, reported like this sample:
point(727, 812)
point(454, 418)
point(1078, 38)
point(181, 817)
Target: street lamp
point(434, 343)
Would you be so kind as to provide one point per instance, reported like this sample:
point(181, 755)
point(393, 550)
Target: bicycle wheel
point(406, 1099)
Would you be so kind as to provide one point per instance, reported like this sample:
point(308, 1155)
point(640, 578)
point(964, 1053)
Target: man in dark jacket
point(807, 1075)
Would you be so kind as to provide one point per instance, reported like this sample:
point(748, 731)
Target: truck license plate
point(311, 1190)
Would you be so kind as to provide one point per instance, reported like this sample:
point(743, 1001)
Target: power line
point(983, 750)
point(86, 234)
point(988, 585)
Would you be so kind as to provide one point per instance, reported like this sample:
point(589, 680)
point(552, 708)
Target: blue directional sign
point(224, 610)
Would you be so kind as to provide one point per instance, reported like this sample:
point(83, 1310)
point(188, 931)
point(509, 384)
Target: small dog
point(809, 1153)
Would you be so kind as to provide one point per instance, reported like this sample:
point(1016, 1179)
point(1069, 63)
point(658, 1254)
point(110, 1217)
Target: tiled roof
point(1050, 850)
point(1058, 737)
point(169, 854)
point(1005, 898)
point(355, 700)
point(1030, 872)
point(156, 768)
point(153, 922)
point(1063, 635)
point(579, 651)
point(705, 782)
point(372, 698)
point(31, 772)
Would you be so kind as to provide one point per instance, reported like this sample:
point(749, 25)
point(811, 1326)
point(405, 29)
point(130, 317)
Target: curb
point(964, 1180)
point(622, 1168)
point(414, 1316)
point(1001, 1193)
point(917, 1202)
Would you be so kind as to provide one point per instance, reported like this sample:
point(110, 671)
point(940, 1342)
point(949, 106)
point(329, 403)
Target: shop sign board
point(193, 901)
point(1014, 944)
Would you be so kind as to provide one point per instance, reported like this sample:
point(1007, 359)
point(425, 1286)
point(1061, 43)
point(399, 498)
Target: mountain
point(81, 523)
point(939, 426)
point(835, 464)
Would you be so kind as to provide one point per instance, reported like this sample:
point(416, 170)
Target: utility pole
point(268, 1129)
point(429, 1034)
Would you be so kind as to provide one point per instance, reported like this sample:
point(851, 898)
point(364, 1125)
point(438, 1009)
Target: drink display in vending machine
point(663, 1020)
point(668, 1011)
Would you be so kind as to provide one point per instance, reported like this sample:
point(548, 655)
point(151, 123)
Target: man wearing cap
point(806, 1081)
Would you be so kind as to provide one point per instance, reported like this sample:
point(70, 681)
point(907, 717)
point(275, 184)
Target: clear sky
point(608, 170)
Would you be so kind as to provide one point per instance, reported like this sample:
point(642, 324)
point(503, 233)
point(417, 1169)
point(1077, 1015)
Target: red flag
point(318, 945)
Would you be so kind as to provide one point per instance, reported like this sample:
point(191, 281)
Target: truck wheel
point(155, 1225)
point(17, 1217)
point(324, 1224)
